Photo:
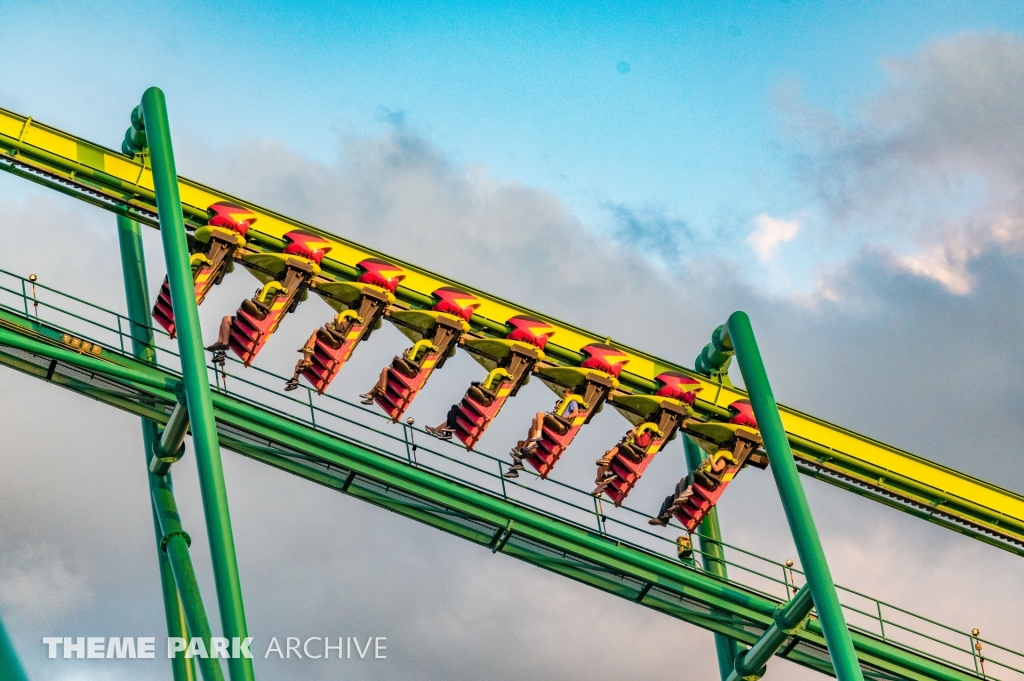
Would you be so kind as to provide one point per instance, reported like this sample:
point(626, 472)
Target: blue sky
point(848, 173)
point(530, 90)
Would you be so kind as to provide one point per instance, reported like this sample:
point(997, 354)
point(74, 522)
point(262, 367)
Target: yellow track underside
point(871, 463)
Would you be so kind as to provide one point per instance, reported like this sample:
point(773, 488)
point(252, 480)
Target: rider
point(633, 446)
point(254, 306)
point(561, 418)
point(407, 364)
point(708, 475)
point(478, 393)
point(332, 333)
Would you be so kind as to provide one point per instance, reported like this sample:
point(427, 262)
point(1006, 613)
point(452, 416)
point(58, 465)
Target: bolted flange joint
point(171, 535)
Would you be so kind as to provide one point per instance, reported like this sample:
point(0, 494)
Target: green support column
point(133, 264)
point(10, 665)
point(709, 535)
point(751, 663)
point(197, 381)
point(794, 502)
point(175, 542)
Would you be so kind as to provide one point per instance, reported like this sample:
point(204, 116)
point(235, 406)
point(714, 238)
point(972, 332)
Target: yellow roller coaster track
point(123, 184)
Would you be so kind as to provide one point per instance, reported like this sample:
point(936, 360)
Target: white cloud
point(37, 580)
point(940, 264)
point(947, 260)
point(424, 588)
point(927, 168)
point(769, 233)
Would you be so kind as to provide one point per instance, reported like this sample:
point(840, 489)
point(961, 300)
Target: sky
point(847, 173)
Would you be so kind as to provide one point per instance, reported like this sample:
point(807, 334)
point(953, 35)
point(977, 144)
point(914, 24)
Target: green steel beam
point(709, 535)
point(175, 543)
point(171, 446)
point(590, 557)
point(715, 358)
point(852, 462)
point(197, 381)
point(133, 265)
point(794, 502)
point(10, 665)
point(751, 663)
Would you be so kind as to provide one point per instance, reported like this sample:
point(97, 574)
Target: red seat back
point(604, 358)
point(526, 329)
point(232, 216)
point(744, 414)
point(451, 300)
point(307, 245)
point(677, 386)
point(381, 273)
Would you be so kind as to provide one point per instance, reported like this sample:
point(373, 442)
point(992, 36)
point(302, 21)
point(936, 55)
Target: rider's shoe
point(440, 433)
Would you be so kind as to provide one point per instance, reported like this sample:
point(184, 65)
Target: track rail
point(857, 463)
point(352, 451)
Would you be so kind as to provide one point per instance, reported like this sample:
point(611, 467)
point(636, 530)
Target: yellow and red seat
point(435, 334)
point(591, 383)
point(510, 361)
point(213, 248)
point(286, 277)
point(740, 436)
point(361, 305)
point(658, 417)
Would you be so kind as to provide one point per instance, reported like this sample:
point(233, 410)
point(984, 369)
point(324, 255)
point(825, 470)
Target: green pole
point(750, 664)
point(10, 666)
point(175, 542)
point(794, 502)
point(709, 535)
point(133, 264)
point(197, 381)
point(464, 498)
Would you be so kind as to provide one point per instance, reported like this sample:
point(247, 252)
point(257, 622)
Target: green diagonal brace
point(133, 265)
point(794, 502)
point(752, 662)
point(197, 381)
point(713, 559)
point(746, 607)
point(10, 666)
point(175, 543)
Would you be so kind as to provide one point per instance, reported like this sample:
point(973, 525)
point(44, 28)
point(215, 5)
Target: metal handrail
point(602, 519)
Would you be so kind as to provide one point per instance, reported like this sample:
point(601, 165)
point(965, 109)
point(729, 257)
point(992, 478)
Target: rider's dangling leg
point(446, 429)
point(379, 388)
point(605, 476)
point(219, 349)
point(525, 447)
point(672, 503)
point(307, 351)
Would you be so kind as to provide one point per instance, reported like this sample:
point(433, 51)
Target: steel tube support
point(10, 665)
point(751, 663)
point(175, 543)
point(709, 535)
point(171, 445)
point(483, 505)
point(794, 502)
point(197, 381)
point(133, 265)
